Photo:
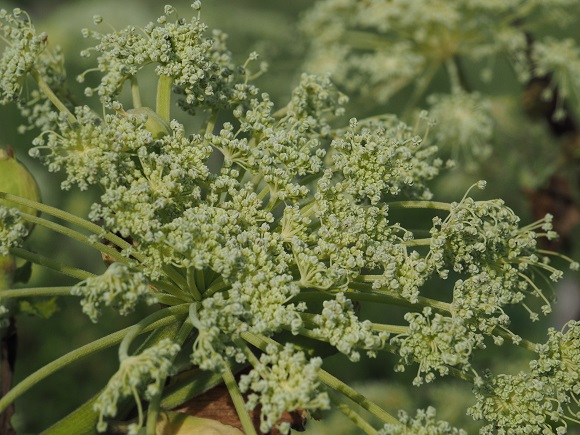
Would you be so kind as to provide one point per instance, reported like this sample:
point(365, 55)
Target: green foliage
point(251, 224)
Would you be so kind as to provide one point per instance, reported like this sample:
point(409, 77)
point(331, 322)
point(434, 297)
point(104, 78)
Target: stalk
point(35, 292)
point(135, 94)
point(51, 264)
point(52, 96)
point(339, 386)
point(163, 101)
point(155, 403)
point(434, 205)
point(352, 415)
point(75, 235)
point(68, 217)
point(238, 400)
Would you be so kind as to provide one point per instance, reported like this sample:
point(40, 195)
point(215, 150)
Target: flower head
point(24, 46)
point(285, 380)
point(119, 287)
point(145, 371)
point(13, 229)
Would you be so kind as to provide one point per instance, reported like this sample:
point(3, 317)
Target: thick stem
point(339, 386)
point(163, 102)
point(351, 414)
point(238, 400)
point(435, 205)
point(51, 264)
point(155, 403)
point(113, 253)
point(35, 292)
point(68, 217)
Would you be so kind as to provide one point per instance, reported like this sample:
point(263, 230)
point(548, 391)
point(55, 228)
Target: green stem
point(163, 102)
point(211, 122)
point(169, 299)
point(51, 264)
point(391, 329)
point(75, 355)
point(68, 217)
point(339, 386)
point(439, 306)
point(138, 328)
point(155, 403)
point(216, 286)
point(238, 400)
point(52, 96)
point(435, 205)
point(252, 359)
point(507, 334)
point(35, 292)
point(352, 415)
point(181, 282)
point(190, 278)
point(199, 279)
point(418, 242)
point(382, 297)
point(454, 79)
point(75, 235)
point(174, 292)
point(468, 377)
point(258, 341)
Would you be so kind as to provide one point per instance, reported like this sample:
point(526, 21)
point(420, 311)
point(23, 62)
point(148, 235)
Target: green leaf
point(43, 309)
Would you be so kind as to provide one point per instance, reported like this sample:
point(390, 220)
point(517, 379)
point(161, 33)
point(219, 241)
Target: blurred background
point(271, 29)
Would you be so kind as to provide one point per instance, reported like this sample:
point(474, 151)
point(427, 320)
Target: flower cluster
point(119, 287)
point(380, 48)
point(261, 229)
point(424, 423)
point(285, 380)
point(560, 60)
point(382, 159)
point(147, 369)
point(200, 67)
point(13, 229)
point(545, 400)
point(339, 324)
point(23, 47)
point(436, 342)
point(385, 45)
point(464, 124)
point(483, 240)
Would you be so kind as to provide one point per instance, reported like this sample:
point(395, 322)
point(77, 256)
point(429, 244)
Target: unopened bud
point(17, 180)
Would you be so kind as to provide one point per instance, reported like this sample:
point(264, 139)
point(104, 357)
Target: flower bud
point(17, 180)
